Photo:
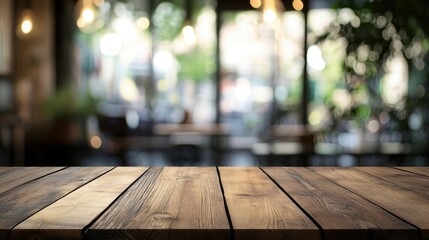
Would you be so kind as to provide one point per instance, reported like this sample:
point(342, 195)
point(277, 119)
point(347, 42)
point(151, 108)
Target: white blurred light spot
point(262, 94)
point(189, 35)
point(80, 22)
point(26, 26)
point(345, 15)
point(143, 23)
point(163, 60)
point(110, 44)
point(315, 117)
point(132, 118)
point(373, 126)
point(315, 59)
point(242, 93)
point(342, 99)
point(88, 15)
point(128, 90)
point(415, 120)
point(269, 15)
point(355, 22)
point(395, 82)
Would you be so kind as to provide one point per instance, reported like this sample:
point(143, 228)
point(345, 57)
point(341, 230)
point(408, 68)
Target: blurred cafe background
point(214, 82)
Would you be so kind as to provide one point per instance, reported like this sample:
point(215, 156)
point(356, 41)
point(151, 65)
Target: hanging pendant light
point(26, 21)
point(188, 30)
point(271, 10)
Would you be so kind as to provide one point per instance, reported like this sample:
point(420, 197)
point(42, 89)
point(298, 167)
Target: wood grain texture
point(418, 170)
point(260, 210)
point(396, 177)
point(67, 217)
point(341, 214)
point(167, 203)
point(14, 176)
point(19, 203)
point(402, 202)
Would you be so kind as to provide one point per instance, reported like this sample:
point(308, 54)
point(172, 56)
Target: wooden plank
point(404, 203)
point(67, 217)
point(340, 213)
point(406, 180)
point(417, 170)
point(11, 177)
point(260, 210)
point(19, 203)
point(173, 203)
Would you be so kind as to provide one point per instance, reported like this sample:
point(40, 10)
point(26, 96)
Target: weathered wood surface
point(341, 213)
point(167, 203)
point(403, 179)
point(402, 202)
point(11, 177)
point(19, 203)
point(417, 170)
point(260, 210)
point(214, 203)
point(67, 217)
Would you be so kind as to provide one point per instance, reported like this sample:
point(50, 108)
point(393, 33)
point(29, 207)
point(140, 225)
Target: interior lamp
point(26, 21)
point(270, 10)
point(188, 31)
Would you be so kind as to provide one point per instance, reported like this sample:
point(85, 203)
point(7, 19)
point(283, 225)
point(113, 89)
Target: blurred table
point(214, 203)
point(187, 139)
point(200, 129)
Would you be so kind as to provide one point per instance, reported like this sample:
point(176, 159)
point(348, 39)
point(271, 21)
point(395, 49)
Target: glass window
point(261, 69)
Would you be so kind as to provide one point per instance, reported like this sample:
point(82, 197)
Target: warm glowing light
point(88, 14)
point(297, 5)
point(269, 15)
point(110, 44)
point(26, 26)
point(95, 142)
point(80, 23)
point(373, 126)
point(255, 3)
point(143, 23)
point(270, 9)
point(162, 85)
point(128, 90)
point(189, 35)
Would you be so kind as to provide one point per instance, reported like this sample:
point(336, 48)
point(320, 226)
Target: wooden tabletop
point(214, 203)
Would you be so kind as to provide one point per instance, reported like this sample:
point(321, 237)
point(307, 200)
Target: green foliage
point(65, 104)
point(169, 17)
point(377, 32)
point(196, 65)
point(168, 21)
